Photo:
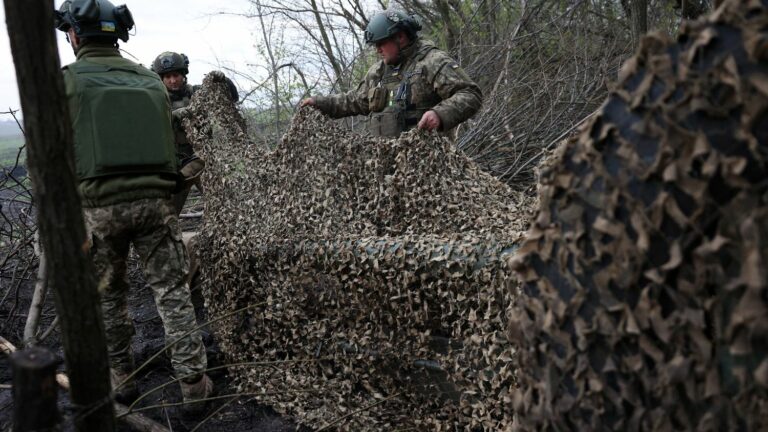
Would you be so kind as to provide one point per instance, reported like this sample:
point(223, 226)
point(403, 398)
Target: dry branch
point(38, 299)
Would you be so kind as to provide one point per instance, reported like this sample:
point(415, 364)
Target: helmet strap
point(74, 41)
point(400, 48)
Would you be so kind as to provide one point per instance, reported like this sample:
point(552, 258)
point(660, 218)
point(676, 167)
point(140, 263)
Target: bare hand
point(430, 121)
point(310, 101)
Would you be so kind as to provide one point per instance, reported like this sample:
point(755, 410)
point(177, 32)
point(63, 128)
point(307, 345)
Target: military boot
point(194, 395)
point(126, 391)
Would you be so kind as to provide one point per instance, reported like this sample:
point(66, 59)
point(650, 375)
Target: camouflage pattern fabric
point(179, 100)
point(190, 170)
point(382, 254)
point(439, 83)
point(152, 227)
point(646, 293)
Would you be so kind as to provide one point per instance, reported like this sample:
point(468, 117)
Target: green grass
point(9, 148)
point(14, 142)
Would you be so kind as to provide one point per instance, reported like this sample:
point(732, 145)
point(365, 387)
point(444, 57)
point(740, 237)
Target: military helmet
point(387, 23)
point(169, 62)
point(90, 18)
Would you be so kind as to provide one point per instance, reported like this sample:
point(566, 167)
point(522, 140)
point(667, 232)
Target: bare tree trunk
point(488, 26)
point(60, 218)
point(451, 38)
point(265, 33)
point(38, 297)
point(327, 47)
point(639, 19)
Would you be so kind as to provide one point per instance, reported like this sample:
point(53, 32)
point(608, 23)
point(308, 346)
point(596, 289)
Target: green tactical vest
point(122, 121)
point(408, 96)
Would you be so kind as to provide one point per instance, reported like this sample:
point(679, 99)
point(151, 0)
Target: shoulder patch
point(454, 65)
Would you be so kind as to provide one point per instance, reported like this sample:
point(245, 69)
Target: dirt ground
point(233, 414)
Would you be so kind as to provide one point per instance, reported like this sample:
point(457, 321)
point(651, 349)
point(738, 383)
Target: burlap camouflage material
point(151, 226)
point(436, 82)
point(646, 296)
point(378, 274)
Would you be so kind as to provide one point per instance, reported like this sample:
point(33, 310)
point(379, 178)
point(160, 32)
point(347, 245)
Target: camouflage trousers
point(191, 173)
point(153, 228)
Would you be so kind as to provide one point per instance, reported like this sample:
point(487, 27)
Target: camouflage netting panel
point(645, 303)
point(378, 269)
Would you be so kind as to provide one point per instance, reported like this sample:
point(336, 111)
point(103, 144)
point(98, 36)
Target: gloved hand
point(217, 75)
point(181, 113)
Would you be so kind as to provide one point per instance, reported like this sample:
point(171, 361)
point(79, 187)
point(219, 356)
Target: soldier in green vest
point(413, 85)
point(173, 69)
point(127, 169)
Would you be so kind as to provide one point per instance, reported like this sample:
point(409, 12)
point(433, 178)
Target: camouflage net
point(645, 301)
point(377, 269)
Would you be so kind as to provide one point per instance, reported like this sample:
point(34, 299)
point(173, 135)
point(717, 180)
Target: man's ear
point(402, 39)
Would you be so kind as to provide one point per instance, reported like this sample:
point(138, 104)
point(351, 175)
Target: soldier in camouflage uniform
point(127, 174)
point(173, 69)
point(413, 85)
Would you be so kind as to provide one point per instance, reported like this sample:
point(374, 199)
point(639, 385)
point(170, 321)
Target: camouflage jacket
point(436, 82)
point(98, 192)
point(181, 99)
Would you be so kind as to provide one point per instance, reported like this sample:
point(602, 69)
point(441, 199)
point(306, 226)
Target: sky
point(193, 27)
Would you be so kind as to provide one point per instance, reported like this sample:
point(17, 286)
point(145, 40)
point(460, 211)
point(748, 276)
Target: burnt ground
point(229, 414)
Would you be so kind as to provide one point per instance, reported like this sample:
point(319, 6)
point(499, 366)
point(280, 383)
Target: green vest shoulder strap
point(121, 120)
point(85, 66)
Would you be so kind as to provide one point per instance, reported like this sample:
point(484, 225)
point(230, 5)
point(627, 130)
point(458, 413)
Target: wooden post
point(50, 157)
point(135, 420)
point(34, 390)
